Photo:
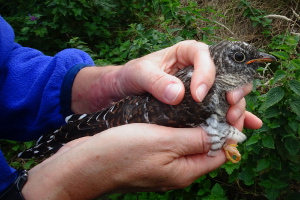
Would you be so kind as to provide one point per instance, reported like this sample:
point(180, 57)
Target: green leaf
point(271, 112)
point(297, 74)
point(29, 164)
point(217, 193)
point(280, 54)
point(295, 105)
point(247, 176)
point(262, 164)
point(217, 190)
point(273, 184)
point(293, 125)
point(230, 167)
point(272, 193)
point(279, 74)
point(252, 140)
point(284, 47)
point(294, 64)
point(292, 144)
point(295, 86)
point(251, 100)
point(213, 174)
point(273, 97)
point(16, 147)
point(268, 142)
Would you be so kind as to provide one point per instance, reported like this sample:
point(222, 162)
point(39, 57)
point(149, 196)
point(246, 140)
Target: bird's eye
point(239, 57)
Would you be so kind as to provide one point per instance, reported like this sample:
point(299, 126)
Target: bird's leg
point(219, 132)
point(232, 153)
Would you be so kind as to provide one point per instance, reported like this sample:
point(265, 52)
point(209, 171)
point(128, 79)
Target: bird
point(236, 64)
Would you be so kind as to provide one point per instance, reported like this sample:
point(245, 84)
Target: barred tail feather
point(44, 149)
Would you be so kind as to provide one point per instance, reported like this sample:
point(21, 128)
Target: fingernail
point(237, 95)
point(172, 91)
point(201, 92)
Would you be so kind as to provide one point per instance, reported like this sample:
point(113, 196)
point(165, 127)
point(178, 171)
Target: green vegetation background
point(114, 32)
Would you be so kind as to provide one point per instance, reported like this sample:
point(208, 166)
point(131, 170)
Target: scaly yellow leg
point(231, 151)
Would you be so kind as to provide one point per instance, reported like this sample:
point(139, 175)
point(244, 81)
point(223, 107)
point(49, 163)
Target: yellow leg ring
point(232, 153)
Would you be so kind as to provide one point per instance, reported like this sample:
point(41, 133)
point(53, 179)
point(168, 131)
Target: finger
point(251, 121)
point(192, 146)
point(236, 111)
point(190, 141)
point(200, 164)
point(239, 124)
point(248, 120)
point(204, 71)
point(165, 87)
point(233, 97)
point(197, 54)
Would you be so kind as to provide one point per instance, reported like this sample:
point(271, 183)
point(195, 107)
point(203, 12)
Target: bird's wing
point(132, 109)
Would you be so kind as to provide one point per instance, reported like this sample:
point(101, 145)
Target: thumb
point(191, 141)
point(165, 87)
point(192, 147)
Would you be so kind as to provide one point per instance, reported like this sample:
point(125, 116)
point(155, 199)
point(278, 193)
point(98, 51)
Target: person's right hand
point(134, 157)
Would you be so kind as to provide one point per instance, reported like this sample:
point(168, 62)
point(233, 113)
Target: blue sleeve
point(34, 90)
point(31, 87)
point(7, 175)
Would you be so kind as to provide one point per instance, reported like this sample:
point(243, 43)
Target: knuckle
point(154, 81)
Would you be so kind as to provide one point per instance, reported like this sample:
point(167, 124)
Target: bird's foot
point(232, 153)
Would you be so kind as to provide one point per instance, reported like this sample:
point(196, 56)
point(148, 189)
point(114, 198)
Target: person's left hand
point(96, 87)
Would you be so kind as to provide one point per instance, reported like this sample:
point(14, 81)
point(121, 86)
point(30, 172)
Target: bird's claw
point(232, 153)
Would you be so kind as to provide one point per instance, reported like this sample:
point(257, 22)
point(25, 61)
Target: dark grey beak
point(264, 57)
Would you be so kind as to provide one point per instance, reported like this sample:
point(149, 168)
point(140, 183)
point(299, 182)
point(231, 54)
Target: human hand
point(96, 87)
point(134, 157)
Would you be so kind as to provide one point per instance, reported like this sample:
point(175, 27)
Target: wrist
point(69, 176)
point(14, 190)
point(94, 88)
point(66, 88)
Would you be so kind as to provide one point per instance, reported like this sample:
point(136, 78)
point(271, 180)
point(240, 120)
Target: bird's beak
point(264, 57)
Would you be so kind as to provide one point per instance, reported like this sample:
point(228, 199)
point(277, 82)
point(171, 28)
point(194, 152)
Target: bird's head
point(236, 63)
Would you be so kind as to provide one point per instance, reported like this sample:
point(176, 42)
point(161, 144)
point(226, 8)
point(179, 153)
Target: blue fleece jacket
point(34, 90)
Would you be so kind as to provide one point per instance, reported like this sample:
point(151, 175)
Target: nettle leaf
point(297, 74)
point(247, 176)
point(230, 167)
point(280, 54)
point(295, 86)
point(292, 144)
point(271, 112)
point(262, 164)
point(217, 190)
point(268, 141)
point(295, 105)
point(272, 97)
point(284, 47)
point(276, 184)
point(252, 140)
point(294, 125)
point(294, 64)
point(214, 173)
point(29, 164)
point(272, 193)
point(279, 74)
point(251, 100)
